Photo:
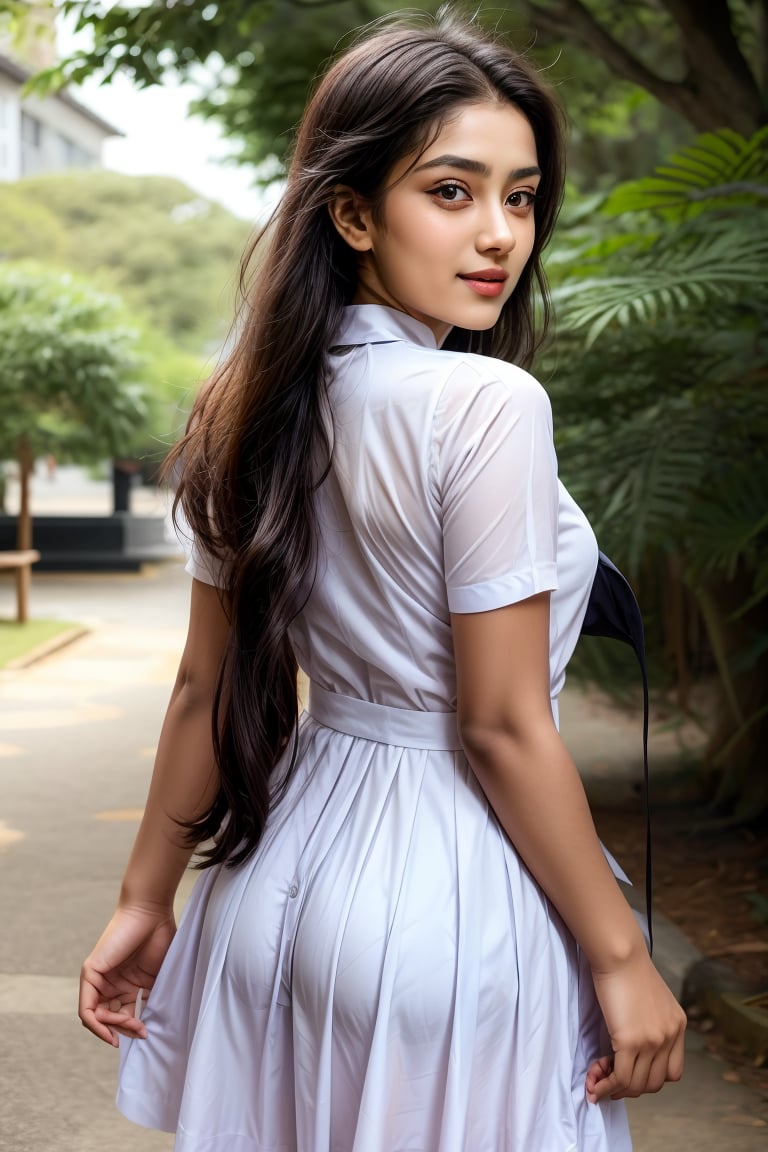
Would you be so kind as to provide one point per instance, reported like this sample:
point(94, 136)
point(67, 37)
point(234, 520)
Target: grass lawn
point(18, 640)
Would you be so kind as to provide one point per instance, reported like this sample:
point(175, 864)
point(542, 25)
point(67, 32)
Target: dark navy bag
point(613, 611)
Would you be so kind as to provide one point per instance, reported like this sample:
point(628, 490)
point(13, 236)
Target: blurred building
point(45, 135)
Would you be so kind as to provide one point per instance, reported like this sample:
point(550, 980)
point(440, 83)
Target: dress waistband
point(401, 727)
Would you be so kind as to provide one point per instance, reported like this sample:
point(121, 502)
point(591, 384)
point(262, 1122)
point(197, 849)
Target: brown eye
point(521, 199)
point(450, 193)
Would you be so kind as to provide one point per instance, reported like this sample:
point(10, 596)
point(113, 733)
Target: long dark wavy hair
point(257, 443)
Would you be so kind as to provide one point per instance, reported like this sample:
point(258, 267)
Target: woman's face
point(457, 230)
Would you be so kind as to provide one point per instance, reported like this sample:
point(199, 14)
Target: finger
point(95, 1014)
point(676, 1060)
point(88, 999)
point(596, 1072)
point(114, 981)
point(124, 1022)
point(637, 1083)
point(666, 1065)
point(129, 1001)
point(617, 1080)
point(657, 1072)
point(119, 985)
point(89, 1020)
point(657, 1061)
point(105, 985)
point(117, 1013)
point(604, 1089)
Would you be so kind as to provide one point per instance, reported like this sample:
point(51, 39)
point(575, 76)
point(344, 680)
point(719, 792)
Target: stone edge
point(47, 648)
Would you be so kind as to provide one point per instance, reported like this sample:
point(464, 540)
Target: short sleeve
point(494, 473)
point(200, 563)
point(204, 567)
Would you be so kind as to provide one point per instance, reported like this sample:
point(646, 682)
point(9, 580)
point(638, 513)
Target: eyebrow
point(466, 165)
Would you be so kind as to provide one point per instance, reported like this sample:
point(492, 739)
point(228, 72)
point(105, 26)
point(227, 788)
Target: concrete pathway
point(77, 737)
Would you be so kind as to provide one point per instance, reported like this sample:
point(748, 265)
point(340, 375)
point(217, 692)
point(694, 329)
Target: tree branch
point(762, 45)
point(310, 4)
point(735, 187)
point(719, 89)
point(717, 69)
point(571, 16)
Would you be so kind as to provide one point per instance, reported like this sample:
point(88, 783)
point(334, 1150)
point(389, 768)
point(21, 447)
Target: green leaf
point(722, 165)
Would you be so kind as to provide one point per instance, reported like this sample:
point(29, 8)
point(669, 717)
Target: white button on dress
point(384, 975)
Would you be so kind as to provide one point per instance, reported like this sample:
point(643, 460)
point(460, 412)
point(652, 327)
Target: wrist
point(154, 870)
point(620, 952)
point(156, 903)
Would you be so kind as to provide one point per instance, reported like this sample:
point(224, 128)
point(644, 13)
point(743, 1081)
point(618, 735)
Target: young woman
point(408, 936)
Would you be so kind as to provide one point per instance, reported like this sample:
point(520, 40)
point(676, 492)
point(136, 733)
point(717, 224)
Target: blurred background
point(140, 146)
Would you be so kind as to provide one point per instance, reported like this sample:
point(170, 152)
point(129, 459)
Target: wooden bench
point(20, 563)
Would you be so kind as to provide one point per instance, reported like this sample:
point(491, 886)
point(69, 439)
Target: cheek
point(527, 239)
point(424, 233)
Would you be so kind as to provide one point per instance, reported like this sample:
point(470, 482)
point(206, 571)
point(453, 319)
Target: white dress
point(384, 975)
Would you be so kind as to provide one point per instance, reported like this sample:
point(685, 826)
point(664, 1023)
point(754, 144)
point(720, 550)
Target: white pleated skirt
point(383, 975)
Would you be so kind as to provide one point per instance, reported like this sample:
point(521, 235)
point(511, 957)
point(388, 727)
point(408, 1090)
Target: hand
point(124, 962)
point(647, 1028)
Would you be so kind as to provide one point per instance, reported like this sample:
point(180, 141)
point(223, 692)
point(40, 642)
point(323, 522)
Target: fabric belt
point(401, 727)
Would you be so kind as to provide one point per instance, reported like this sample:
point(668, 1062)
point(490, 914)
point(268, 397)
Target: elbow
point(506, 745)
point(486, 743)
point(192, 692)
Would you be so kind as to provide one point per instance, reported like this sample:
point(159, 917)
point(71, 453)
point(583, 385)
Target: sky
point(161, 138)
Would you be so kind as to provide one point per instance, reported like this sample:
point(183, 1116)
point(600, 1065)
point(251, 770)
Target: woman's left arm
point(512, 743)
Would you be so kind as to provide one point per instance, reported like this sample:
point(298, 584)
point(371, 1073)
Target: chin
point(476, 324)
point(479, 319)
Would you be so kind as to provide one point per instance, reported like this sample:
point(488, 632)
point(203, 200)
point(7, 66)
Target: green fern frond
point(689, 267)
point(730, 524)
point(642, 475)
point(718, 164)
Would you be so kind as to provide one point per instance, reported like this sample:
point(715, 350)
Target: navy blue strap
point(613, 611)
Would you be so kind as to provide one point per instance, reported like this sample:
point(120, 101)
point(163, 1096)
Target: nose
point(497, 232)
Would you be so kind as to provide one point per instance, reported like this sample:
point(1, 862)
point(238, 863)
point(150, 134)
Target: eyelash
point(526, 207)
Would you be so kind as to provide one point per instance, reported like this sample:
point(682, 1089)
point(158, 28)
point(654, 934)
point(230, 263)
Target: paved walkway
point(77, 737)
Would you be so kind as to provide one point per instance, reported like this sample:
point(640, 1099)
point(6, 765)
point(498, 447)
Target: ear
point(351, 218)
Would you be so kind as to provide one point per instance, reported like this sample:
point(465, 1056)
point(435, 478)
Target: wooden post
point(23, 575)
point(20, 564)
point(24, 527)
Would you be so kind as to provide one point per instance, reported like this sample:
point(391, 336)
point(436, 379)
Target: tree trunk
point(738, 752)
point(123, 472)
point(738, 737)
point(24, 525)
point(718, 89)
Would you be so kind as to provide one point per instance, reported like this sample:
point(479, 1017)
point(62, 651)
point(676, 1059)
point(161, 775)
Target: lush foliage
point(29, 231)
point(658, 372)
point(170, 378)
point(69, 377)
point(261, 57)
point(170, 254)
point(659, 378)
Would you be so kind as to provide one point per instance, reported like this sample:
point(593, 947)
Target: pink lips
point(488, 282)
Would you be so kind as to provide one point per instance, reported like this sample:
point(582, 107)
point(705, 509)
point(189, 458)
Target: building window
point(31, 130)
point(75, 156)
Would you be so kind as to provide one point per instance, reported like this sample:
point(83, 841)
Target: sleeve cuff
point(200, 572)
point(509, 589)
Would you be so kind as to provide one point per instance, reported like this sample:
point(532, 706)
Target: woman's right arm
point(184, 784)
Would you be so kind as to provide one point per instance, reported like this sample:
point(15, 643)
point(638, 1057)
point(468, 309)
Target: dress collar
point(377, 324)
